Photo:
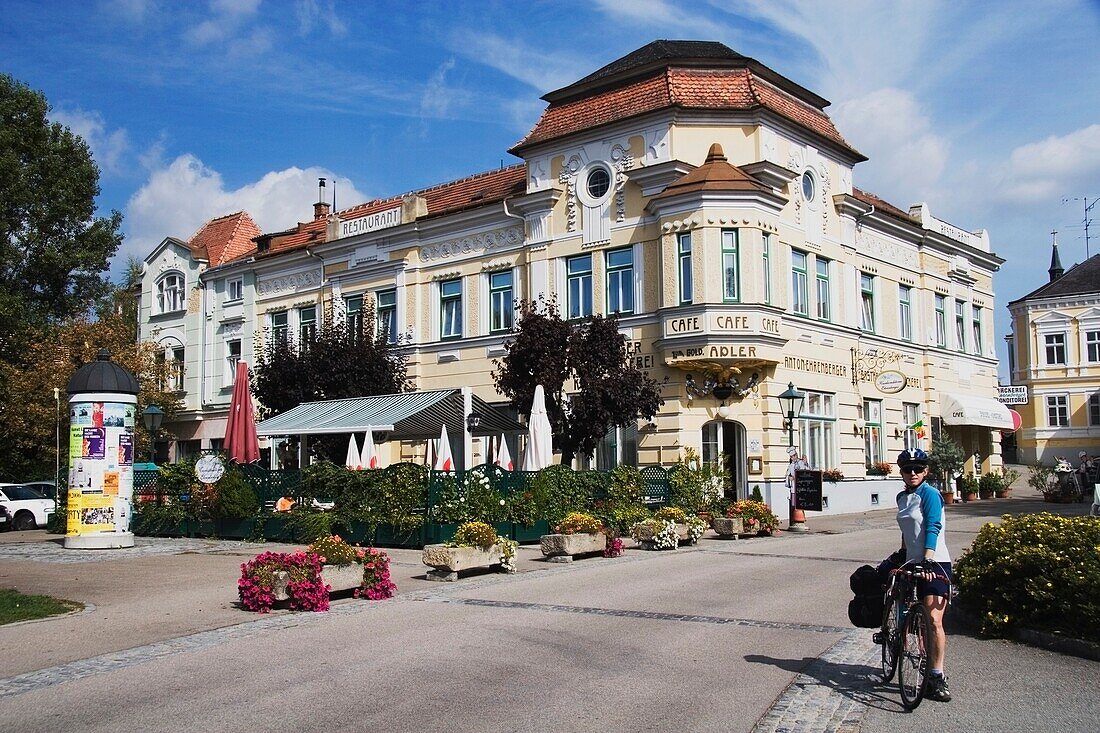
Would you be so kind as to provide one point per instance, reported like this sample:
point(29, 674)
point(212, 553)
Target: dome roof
point(102, 375)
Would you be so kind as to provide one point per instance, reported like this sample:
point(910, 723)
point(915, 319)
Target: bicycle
point(904, 636)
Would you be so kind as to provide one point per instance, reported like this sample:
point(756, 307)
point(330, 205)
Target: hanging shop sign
point(890, 381)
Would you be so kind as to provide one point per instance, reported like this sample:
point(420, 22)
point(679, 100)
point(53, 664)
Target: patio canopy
point(407, 416)
point(960, 409)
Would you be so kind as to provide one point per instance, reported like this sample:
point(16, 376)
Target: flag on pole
point(919, 427)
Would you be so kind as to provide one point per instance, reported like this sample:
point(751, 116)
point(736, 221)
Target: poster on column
point(101, 460)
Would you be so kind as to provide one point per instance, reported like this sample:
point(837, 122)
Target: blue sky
point(987, 111)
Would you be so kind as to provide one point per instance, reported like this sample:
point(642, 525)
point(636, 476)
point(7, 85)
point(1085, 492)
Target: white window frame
point(578, 299)
point(911, 415)
point(766, 267)
point(279, 331)
point(501, 301)
point(1092, 347)
point(976, 324)
point(905, 312)
point(1057, 410)
point(622, 289)
point(817, 429)
point(231, 360)
point(1049, 348)
point(171, 292)
point(824, 296)
point(686, 278)
point(353, 313)
point(731, 266)
point(960, 325)
point(867, 302)
point(175, 358)
point(304, 318)
point(450, 309)
point(1092, 407)
point(234, 289)
point(386, 314)
point(941, 320)
point(800, 286)
point(873, 448)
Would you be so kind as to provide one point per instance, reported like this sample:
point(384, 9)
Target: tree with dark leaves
point(607, 389)
point(339, 362)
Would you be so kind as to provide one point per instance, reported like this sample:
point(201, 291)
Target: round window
point(599, 181)
point(809, 186)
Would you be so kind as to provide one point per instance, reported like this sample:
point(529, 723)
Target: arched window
point(170, 293)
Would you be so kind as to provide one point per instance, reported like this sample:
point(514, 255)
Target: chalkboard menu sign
point(807, 490)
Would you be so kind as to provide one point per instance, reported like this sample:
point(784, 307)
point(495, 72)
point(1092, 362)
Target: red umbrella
point(241, 442)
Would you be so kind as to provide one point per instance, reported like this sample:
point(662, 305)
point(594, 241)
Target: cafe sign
point(890, 381)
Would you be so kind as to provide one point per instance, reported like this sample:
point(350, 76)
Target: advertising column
point(102, 406)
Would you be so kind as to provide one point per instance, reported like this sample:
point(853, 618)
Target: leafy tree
point(49, 361)
point(53, 249)
point(341, 361)
point(607, 389)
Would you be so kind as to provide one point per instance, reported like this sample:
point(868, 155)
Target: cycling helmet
point(915, 457)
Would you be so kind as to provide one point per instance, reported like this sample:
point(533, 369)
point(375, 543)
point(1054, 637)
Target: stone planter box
point(562, 547)
point(645, 536)
point(447, 562)
point(337, 577)
point(727, 528)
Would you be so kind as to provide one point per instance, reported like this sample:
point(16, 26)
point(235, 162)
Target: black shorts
point(937, 586)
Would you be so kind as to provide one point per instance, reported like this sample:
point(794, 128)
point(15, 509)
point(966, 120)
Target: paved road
point(747, 635)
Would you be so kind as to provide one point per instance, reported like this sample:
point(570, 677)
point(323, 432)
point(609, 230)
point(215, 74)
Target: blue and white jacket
point(920, 516)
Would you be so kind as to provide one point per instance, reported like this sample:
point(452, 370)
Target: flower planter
point(645, 535)
point(728, 528)
point(337, 577)
point(971, 496)
point(948, 498)
point(562, 547)
point(447, 562)
point(1002, 494)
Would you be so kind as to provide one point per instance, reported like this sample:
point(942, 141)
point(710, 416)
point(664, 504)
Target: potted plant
point(689, 528)
point(1008, 477)
point(879, 468)
point(945, 459)
point(968, 485)
point(832, 475)
point(756, 516)
point(656, 534)
point(475, 544)
point(274, 576)
point(1039, 477)
point(577, 534)
point(989, 484)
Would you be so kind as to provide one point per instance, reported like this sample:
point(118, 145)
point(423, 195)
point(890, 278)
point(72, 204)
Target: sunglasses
point(914, 469)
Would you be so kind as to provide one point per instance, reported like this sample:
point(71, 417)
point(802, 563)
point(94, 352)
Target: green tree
point(53, 249)
point(341, 361)
point(607, 389)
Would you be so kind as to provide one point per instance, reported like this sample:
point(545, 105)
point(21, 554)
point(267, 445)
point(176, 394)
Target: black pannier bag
point(865, 610)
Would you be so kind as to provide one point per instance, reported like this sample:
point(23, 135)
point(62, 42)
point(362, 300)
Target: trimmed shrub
point(1035, 571)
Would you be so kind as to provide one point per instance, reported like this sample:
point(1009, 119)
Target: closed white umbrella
point(503, 457)
point(540, 450)
point(369, 457)
point(444, 461)
point(353, 460)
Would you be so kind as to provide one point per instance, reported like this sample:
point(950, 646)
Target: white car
point(27, 507)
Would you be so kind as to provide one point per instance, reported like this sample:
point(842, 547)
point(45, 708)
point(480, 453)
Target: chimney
point(1055, 270)
point(320, 209)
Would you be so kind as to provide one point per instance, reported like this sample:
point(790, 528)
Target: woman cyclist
point(920, 517)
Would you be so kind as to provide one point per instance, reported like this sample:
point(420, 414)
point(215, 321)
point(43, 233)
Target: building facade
point(708, 202)
point(1054, 353)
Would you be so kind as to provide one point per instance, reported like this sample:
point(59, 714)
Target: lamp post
point(56, 439)
point(153, 417)
point(792, 402)
point(473, 420)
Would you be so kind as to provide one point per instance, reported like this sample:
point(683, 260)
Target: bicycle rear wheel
point(891, 638)
point(913, 659)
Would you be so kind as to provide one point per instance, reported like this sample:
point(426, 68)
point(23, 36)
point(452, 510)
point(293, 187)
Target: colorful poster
point(95, 444)
point(125, 449)
point(97, 513)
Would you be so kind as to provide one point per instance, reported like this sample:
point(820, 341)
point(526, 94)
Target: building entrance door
point(724, 442)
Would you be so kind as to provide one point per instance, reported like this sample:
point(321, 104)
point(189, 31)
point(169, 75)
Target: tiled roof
point(225, 238)
point(881, 205)
point(1081, 279)
point(715, 174)
point(658, 51)
point(447, 198)
point(685, 88)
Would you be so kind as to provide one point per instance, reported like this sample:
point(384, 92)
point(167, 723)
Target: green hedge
point(1034, 571)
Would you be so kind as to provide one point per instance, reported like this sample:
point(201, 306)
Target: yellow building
point(1054, 352)
point(709, 203)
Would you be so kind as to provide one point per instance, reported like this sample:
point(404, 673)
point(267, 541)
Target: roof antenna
point(321, 190)
point(334, 195)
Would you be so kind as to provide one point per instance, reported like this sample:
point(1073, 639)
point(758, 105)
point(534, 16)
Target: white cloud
point(180, 198)
point(661, 14)
point(310, 11)
point(108, 147)
point(543, 70)
point(437, 99)
point(890, 128)
point(227, 17)
point(1066, 158)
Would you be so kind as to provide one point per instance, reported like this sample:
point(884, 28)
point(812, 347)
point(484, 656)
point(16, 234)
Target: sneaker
point(937, 689)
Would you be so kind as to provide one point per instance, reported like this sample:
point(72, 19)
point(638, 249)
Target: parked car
point(48, 488)
point(28, 507)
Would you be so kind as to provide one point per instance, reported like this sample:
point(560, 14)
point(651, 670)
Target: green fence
point(403, 505)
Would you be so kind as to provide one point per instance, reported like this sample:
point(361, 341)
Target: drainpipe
point(864, 215)
point(321, 287)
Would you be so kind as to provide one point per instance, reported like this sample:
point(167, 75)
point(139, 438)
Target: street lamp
point(792, 401)
point(153, 417)
point(473, 420)
point(56, 439)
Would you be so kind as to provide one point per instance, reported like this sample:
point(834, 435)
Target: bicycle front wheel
point(913, 659)
point(891, 638)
